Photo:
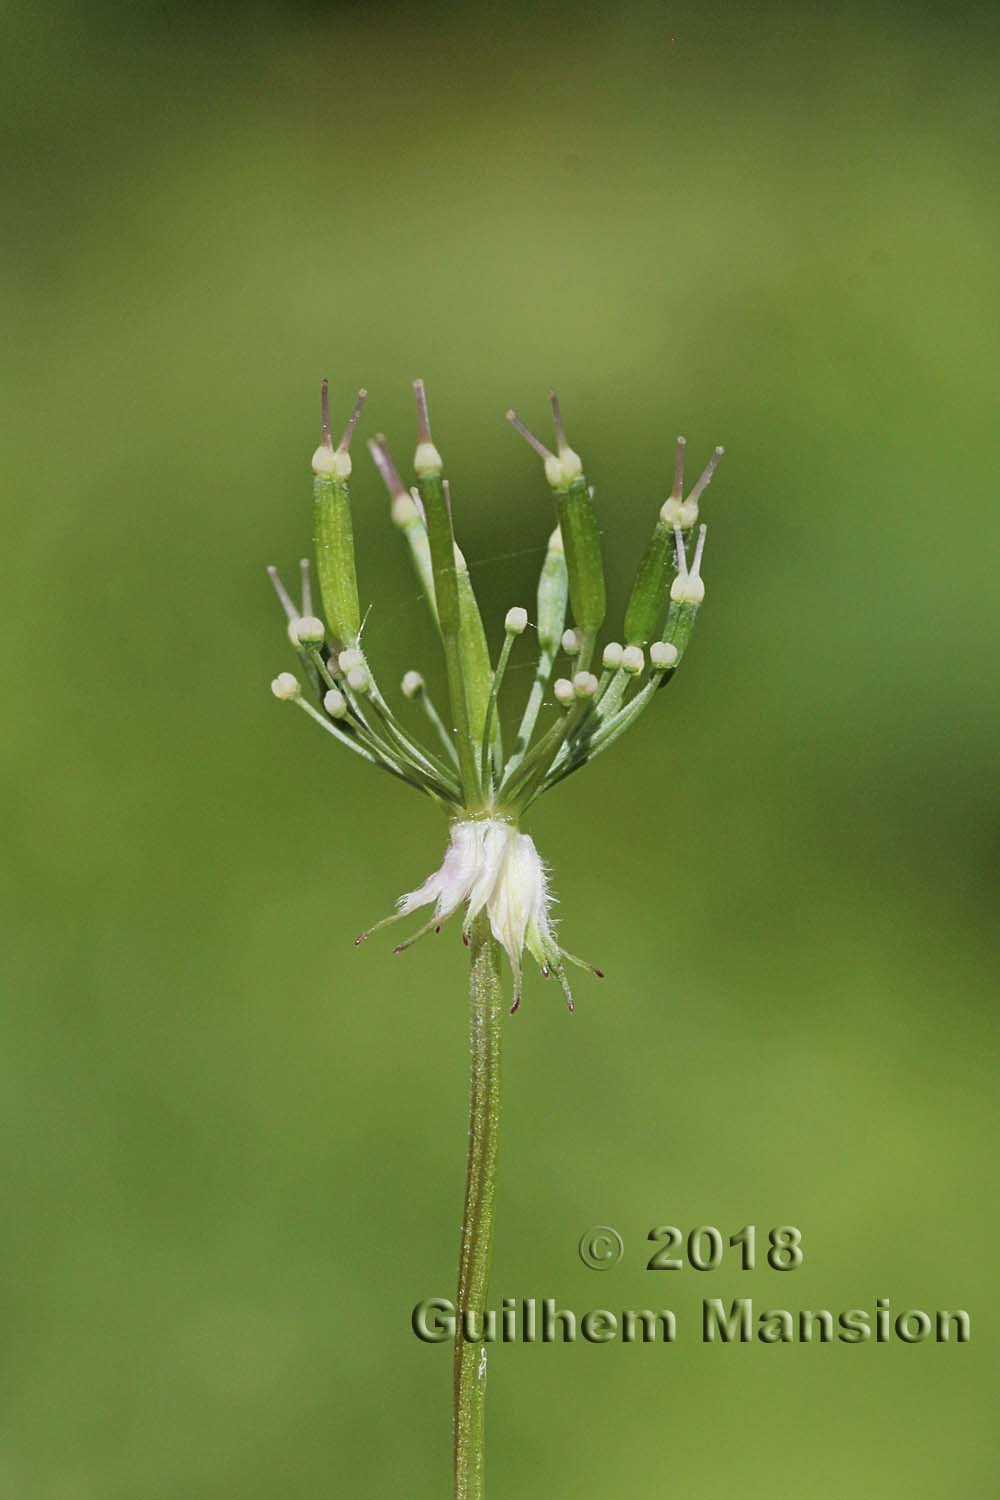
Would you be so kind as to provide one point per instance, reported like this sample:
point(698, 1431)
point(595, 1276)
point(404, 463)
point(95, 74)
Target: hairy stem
point(486, 1016)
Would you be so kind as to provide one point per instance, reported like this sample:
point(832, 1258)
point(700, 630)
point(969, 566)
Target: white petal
point(494, 839)
point(450, 885)
point(519, 894)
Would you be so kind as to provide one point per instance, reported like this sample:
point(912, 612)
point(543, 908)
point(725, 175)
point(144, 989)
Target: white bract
point(489, 865)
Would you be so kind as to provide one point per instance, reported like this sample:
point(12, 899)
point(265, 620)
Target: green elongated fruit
point(645, 605)
point(333, 531)
point(584, 559)
point(474, 652)
point(333, 536)
point(553, 594)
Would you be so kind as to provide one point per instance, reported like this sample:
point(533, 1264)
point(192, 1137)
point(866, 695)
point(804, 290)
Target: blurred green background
point(233, 1145)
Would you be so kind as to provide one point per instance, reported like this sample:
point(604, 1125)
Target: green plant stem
point(485, 1017)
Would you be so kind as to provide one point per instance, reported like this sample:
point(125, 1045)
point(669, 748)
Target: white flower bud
point(663, 655)
point(285, 686)
point(332, 463)
point(516, 622)
point(358, 680)
point(564, 690)
point(351, 658)
point(427, 460)
point(633, 660)
point(612, 657)
point(335, 704)
point(585, 684)
point(412, 684)
point(309, 631)
point(570, 642)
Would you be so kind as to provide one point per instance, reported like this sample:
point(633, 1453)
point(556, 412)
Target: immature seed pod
point(577, 523)
point(650, 589)
point(332, 528)
point(473, 648)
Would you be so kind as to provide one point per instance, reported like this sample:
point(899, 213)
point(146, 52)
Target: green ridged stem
point(333, 535)
point(485, 1034)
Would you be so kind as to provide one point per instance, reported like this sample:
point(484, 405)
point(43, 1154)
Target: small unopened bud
point(516, 622)
point(688, 587)
point(309, 631)
point(285, 686)
point(564, 690)
point(570, 642)
point(612, 657)
point(351, 658)
point(663, 655)
point(412, 684)
point(335, 704)
point(585, 684)
point(358, 680)
point(633, 660)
